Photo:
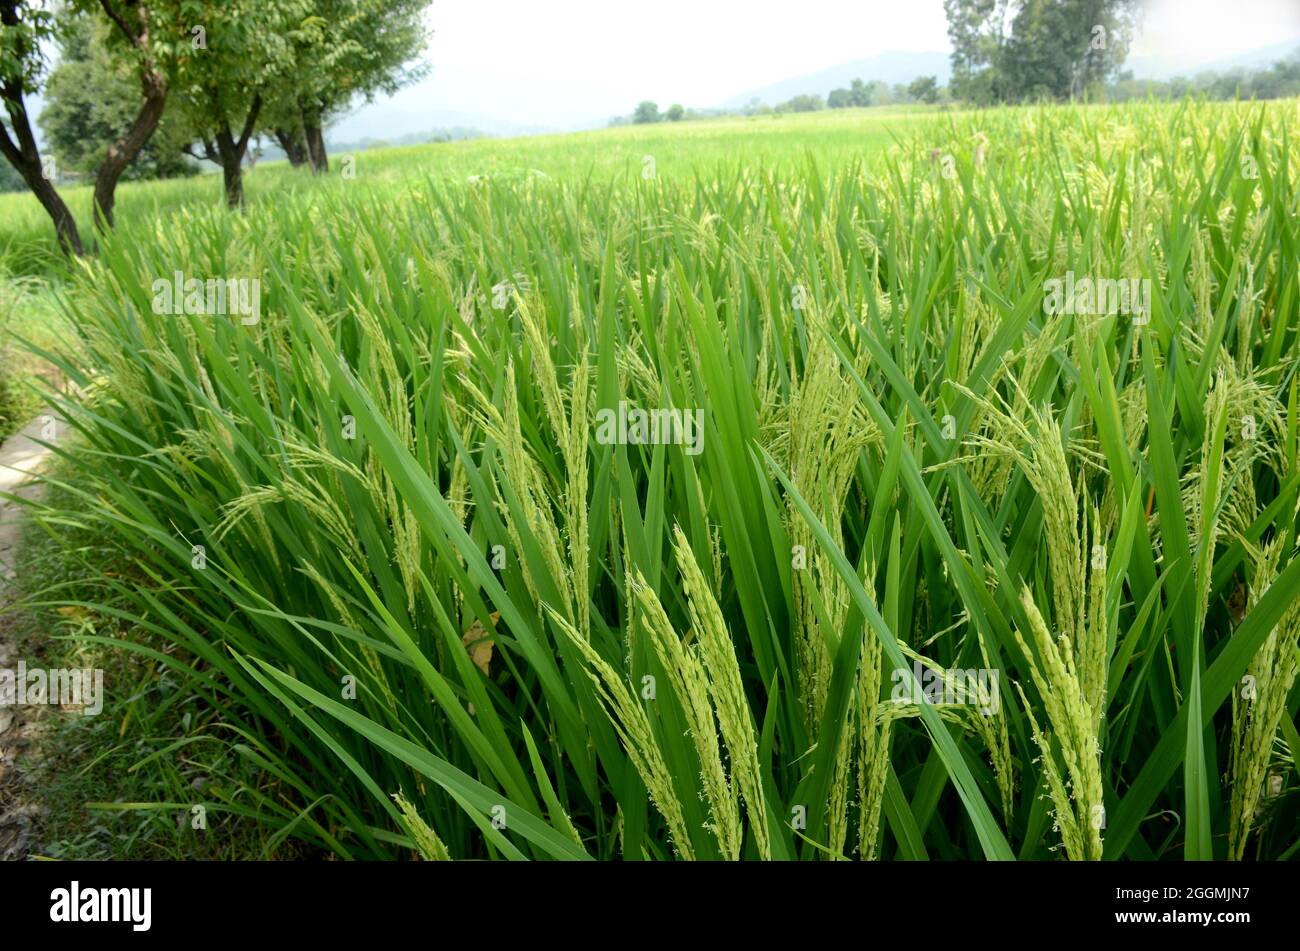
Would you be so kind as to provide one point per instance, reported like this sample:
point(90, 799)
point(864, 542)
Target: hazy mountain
point(889, 67)
point(399, 117)
point(453, 134)
point(895, 68)
point(1166, 67)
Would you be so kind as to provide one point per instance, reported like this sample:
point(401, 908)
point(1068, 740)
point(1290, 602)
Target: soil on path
point(21, 457)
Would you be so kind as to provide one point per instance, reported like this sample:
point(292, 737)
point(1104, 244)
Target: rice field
point(819, 488)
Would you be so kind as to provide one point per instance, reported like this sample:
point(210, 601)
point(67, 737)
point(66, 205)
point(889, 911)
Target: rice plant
point(776, 507)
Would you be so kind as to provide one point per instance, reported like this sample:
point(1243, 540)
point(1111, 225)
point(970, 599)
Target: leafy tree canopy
point(92, 98)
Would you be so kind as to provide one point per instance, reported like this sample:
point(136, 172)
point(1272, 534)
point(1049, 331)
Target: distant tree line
point(272, 151)
point(862, 95)
point(450, 134)
point(1279, 81)
point(139, 83)
point(859, 94)
point(1007, 51)
point(648, 112)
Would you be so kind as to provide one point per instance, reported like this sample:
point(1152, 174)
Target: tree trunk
point(154, 86)
point(230, 155)
point(232, 171)
point(65, 226)
point(232, 178)
point(320, 162)
point(124, 151)
point(293, 145)
point(25, 157)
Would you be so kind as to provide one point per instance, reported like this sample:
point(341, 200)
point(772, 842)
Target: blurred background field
point(27, 247)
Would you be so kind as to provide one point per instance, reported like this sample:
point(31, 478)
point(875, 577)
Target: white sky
point(693, 51)
point(570, 61)
point(564, 63)
point(1199, 30)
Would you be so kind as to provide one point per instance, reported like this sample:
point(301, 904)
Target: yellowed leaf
point(479, 644)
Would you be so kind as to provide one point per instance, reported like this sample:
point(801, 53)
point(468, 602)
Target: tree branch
point(21, 121)
point(120, 21)
point(250, 124)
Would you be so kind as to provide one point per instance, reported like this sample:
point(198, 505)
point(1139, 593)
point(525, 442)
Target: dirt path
point(21, 457)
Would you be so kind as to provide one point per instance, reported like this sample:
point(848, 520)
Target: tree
point(24, 26)
point(803, 103)
point(233, 63)
point(977, 30)
point(293, 142)
point(1060, 49)
point(1030, 49)
point(91, 101)
point(878, 94)
point(861, 94)
point(343, 50)
point(145, 49)
point(1279, 81)
point(924, 89)
point(1101, 47)
point(675, 112)
point(646, 112)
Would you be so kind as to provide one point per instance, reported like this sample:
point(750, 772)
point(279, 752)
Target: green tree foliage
point(239, 52)
point(1279, 81)
point(1061, 49)
point(343, 50)
point(10, 180)
point(1016, 50)
point(24, 26)
point(976, 29)
point(878, 93)
point(861, 94)
point(141, 34)
point(924, 89)
point(227, 65)
point(92, 99)
point(143, 38)
point(675, 112)
point(803, 103)
point(645, 112)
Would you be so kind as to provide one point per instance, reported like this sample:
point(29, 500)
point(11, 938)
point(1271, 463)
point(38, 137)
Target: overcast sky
point(570, 62)
point(1201, 30)
point(556, 56)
